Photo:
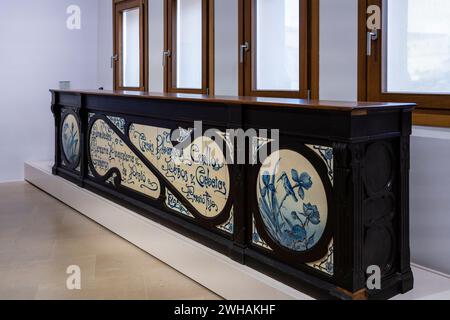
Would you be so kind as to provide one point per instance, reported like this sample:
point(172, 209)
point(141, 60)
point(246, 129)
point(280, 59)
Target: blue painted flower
point(329, 267)
point(268, 185)
point(295, 217)
point(310, 241)
point(70, 142)
point(298, 233)
point(288, 186)
point(303, 181)
point(311, 213)
point(329, 154)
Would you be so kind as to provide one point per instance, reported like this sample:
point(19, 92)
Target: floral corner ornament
point(256, 238)
point(118, 122)
point(327, 156)
point(326, 264)
point(228, 226)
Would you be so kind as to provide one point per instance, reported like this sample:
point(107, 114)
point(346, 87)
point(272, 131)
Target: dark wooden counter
point(254, 101)
point(315, 213)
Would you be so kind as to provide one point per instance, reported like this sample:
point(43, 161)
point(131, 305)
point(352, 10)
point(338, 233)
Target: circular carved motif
point(378, 247)
point(378, 167)
point(71, 139)
point(292, 200)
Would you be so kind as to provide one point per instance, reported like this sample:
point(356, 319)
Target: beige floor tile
point(50, 272)
point(72, 247)
point(166, 283)
point(115, 288)
point(18, 293)
point(40, 238)
point(122, 264)
point(5, 259)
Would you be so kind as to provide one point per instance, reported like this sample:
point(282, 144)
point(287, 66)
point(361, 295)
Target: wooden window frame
point(118, 7)
point(309, 52)
point(207, 48)
point(432, 109)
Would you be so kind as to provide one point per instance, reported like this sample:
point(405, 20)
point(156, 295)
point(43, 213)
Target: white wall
point(226, 47)
point(105, 45)
point(37, 50)
point(430, 204)
point(156, 45)
point(338, 50)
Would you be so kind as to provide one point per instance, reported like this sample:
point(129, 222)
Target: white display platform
point(213, 270)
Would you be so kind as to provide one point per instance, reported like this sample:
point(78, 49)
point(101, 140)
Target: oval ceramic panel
point(292, 200)
point(71, 139)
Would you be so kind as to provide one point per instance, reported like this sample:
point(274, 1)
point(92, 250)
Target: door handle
point(166, 54)
point(114, 58)
point(242, 50)
point(371, 36)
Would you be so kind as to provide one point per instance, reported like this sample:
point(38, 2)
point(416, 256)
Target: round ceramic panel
point(71, 139)
point(292, 200)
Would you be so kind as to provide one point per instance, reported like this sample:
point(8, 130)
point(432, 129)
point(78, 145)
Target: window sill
point(431, 118)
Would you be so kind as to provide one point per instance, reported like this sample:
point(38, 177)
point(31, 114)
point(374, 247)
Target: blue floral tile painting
point(118, 122)
point(327, 156)
point(256, 238)
point(174, 204)
point(71, 139)
point(292, 200)
point(228, 226)
point(326, 264)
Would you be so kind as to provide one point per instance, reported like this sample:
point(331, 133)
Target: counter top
point(254, 101)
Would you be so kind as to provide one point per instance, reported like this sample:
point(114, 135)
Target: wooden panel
point(352, 107)
point(432, 118)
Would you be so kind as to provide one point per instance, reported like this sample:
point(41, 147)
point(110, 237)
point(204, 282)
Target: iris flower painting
point(289, 216)
point(70, 139)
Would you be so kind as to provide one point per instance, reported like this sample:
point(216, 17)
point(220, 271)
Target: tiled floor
point(40, 238)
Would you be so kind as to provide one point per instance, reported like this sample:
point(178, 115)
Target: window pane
point(418, 46)
point(277, 45)
point(189, 44)
point(131, 52)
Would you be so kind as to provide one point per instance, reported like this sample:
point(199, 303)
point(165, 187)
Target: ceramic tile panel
point(197, 170)
point(228, 226)
point(256, 238)
point(326, 264)
point(71, 139)
point(292, 200)
point(327, 156)
point(174, 204)
point(108, 151)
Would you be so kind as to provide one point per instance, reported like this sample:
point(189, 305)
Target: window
point(130, 45)
point(274, 51)
point(186, 54)
point(418, 46)
point(410, 58)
